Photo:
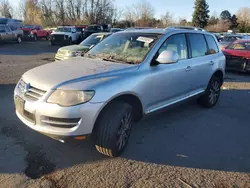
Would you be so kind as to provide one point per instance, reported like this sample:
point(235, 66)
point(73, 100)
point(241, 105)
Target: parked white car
point(65, 35)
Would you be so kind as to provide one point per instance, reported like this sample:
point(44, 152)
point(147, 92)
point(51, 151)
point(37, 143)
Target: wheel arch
point(129, 98)
point(219, 73)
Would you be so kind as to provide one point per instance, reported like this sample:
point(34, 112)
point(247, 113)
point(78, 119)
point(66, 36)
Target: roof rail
point(186, 27)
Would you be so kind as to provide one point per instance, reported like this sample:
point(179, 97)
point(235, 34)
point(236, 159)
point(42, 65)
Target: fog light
point(80, 137)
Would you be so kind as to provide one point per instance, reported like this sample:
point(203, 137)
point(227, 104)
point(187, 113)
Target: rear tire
point(212, 93)
point(113, 129)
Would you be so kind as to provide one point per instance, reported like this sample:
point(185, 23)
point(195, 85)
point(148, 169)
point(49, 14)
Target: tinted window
point(213, 48)
point(176, 43)
point(198, 45)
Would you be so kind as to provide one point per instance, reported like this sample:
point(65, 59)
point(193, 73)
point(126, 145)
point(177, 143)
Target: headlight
point(70, 97)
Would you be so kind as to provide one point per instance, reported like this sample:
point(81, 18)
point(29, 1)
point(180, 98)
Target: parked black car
point(92, 29)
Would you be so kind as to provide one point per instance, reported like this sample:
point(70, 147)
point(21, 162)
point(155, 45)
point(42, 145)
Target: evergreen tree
point(225, 16)
point(234, 22)
point(200, 15)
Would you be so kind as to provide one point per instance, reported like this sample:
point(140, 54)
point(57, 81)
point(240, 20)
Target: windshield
point(231, 38)
point(129, 48)
point(63, 29)
point(92, 40)
point(242, 45)
point(28, 26)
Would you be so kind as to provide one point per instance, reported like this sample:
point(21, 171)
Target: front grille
point(26, 32)
point(61, 122)
point(30, 92)
point(58, 38)
point(235, 58)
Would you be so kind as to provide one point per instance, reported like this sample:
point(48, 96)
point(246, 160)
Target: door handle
point(211, 63)
point(189, 68)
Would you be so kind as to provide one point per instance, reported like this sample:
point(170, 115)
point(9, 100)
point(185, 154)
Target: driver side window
point(176, 43)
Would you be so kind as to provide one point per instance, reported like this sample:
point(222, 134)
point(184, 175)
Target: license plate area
point(19, 104)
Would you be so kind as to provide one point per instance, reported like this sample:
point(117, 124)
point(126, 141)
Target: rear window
point(198, 45)
point(212, 45)
point(240, 45)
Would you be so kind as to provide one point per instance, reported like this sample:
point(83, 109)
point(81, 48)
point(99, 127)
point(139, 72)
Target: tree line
point(64, 12)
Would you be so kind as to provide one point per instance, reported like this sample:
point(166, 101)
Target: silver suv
point(126, 76)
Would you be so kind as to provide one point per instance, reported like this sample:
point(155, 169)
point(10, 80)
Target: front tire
point(47, 37)
point(212, 93)
point(35, 37)
point(113, 129)
point(19, 39)
point(70, 41)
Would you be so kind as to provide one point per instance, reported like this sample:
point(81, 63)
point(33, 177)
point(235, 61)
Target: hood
point(240, 53)
point(53, 75)
point(27, 29)
point(60, 33)
point(73, 48)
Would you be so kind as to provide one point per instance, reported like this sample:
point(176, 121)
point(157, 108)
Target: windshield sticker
point(145, 39)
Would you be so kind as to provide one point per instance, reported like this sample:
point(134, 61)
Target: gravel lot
point(187, 146)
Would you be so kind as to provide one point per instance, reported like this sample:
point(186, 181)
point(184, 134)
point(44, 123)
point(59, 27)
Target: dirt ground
point(186, 146)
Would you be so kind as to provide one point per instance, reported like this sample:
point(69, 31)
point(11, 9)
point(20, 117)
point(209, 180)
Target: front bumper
point(54, 120)
point(28, 37)
point(238, 64)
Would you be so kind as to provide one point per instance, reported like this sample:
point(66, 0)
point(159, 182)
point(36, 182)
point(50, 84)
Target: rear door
point(204, 56)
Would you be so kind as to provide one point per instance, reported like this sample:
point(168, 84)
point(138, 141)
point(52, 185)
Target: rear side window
point(198, 45)
point(212, 46)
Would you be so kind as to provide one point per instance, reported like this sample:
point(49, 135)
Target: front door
point(169, 83)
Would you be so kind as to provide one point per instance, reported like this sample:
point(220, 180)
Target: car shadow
point(186, 136)
point(194, 137)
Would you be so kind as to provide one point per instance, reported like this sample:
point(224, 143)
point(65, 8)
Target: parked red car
point(34, 32)
point(238, 55)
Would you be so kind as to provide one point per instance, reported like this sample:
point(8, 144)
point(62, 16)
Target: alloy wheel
point(214, 91)
point(124, 130)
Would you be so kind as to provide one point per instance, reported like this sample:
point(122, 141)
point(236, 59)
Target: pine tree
point(200, 15)
point(225, 15)
point(234, 22)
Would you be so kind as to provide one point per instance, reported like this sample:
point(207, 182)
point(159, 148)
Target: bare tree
point(243, 16)
point(167, 19)
point(141, 14)
point(6, 9)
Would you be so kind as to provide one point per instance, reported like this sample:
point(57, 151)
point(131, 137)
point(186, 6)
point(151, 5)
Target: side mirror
point(167, 57)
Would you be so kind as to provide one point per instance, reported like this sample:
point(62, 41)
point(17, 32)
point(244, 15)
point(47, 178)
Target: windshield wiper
point(112, 60)
point(92, 56)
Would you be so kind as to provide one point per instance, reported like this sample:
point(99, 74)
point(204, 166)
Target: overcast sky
point(182, 8)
